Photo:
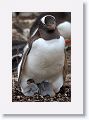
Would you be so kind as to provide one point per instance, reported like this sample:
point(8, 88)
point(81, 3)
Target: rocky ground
point(65, 93)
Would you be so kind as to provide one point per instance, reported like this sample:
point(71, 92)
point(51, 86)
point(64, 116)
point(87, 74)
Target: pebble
point(18, 97)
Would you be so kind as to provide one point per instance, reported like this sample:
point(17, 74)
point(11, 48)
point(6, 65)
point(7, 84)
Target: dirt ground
point(65, 93)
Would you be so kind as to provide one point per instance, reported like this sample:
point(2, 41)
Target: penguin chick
point(33, 88)
point(43, 58)
point(45, 88)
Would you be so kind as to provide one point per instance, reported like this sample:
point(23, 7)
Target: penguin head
point(48, 22)
point(47, 28)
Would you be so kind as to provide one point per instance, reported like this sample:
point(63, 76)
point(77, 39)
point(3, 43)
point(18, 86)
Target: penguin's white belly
point(46, 59)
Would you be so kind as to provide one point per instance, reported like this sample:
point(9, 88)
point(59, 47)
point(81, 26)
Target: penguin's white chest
point(45, 59)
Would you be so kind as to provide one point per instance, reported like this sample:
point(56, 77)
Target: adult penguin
point(63, 22)
point(43, 60)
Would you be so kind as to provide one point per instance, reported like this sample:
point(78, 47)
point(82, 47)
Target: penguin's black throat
point(50, 31)
point(49, 34)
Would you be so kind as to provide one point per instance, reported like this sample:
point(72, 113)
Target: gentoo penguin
point(63, 21)
point(65, 30)
point(60, 18)
point(43, 60)
point(24, 33)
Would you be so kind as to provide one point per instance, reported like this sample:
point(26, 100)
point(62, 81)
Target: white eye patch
point(43, 18)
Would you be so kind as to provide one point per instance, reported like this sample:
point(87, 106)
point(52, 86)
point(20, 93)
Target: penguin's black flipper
point(25, 54)
point(22, 63)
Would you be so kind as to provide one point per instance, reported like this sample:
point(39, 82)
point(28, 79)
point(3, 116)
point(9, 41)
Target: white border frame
point(76, 104)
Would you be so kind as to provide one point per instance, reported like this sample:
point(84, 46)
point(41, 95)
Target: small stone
point(18, 97)
point(29, 100)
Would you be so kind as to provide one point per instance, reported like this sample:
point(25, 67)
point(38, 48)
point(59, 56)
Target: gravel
point(63, 96)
